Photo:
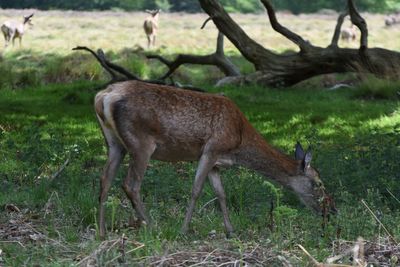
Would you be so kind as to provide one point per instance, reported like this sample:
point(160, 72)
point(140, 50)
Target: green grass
point(47, 118)
point(355, 142)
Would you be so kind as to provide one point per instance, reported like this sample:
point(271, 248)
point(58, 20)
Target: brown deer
point(151, 26)
point(165, 123)
point(13, 29)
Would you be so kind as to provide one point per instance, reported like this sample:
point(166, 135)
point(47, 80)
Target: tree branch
point(336, 34)
point(295, 38)
point(217, 59)
point(220, 44)
point(108, 66)
point(213, 59)
point(205, 22)
point(225, 24)
point(359, 21)
point(100, 58)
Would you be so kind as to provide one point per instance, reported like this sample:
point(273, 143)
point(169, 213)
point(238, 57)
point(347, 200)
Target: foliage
point(375, 88)
point(246, 6)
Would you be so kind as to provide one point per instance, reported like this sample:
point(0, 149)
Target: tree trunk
point(285, 70)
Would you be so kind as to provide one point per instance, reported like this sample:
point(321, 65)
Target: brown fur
point(169, 124)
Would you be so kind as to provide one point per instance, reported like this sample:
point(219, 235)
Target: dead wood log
point(285, 70)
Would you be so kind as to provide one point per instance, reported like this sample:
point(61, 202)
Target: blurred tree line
point(244, 6)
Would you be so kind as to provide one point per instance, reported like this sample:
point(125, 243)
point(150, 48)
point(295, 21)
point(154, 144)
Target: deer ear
point(298, 152)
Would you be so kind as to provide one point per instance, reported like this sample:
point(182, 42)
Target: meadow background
point(52, 151)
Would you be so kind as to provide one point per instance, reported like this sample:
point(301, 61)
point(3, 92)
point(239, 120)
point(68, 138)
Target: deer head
point(308, 186)
point(153, 12)
point(28, 19)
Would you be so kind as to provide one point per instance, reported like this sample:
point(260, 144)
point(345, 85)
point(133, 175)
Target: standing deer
point(349, 33)
point(165, 123)
point(13, 29)
point(151, 26)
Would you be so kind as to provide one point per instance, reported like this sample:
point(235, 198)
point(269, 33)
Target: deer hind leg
point(133, 181)
point(148, 41)
point(216, 183)
point(5, 38)
point(206, 163)
point(116, 153)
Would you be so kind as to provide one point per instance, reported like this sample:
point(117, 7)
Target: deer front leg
point(206, 163)
point(133, 181)
point(115, 155)
point(5, 39)
point(216, 183)
point(13, 40)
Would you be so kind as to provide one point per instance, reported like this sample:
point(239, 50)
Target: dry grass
point(59, 32)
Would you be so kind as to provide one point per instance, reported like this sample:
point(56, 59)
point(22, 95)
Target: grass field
point(52, 153)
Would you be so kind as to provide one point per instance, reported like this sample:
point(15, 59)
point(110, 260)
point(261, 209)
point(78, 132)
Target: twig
point(391, 192)
point(128, 252)
point(11, 241)
point(381, 224)
point(205, 22)
point(315, 262)
point(208, 202)
point(205, 259)
point(338, 257)
point(60, 170)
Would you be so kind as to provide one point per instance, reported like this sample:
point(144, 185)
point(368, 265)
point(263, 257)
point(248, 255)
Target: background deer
point(392, 19)
point(151, 26)
point(13, 29)
point(349, 33)
point(165, 123)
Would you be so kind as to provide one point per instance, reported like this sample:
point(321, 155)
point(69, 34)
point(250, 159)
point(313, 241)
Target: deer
point(349, 33)
point(161, 122)
point(150, 26)
point(13, 29)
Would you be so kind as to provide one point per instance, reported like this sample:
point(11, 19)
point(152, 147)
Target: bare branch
point(160, 58)
point(218, 59)
point(108, 66)
point(220, 44)
point(247, 46)
point(100, 59)
point(295, 38)
point(336, 34)
point(359, 21)
point(205, 22)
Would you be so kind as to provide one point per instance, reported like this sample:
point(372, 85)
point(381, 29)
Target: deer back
point(182, 123)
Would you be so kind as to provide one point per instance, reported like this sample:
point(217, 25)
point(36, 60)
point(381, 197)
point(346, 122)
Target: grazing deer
point(392, 19)
point(151, 26)
point(349, 33)
point(13, 29)
point(165, 123)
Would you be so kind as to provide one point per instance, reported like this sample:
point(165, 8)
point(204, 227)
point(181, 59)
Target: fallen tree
point(285, 70)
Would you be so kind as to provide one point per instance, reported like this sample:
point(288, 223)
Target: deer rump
point(149, 27)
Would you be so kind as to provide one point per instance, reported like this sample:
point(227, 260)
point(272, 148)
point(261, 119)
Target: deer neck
point(256, 154)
